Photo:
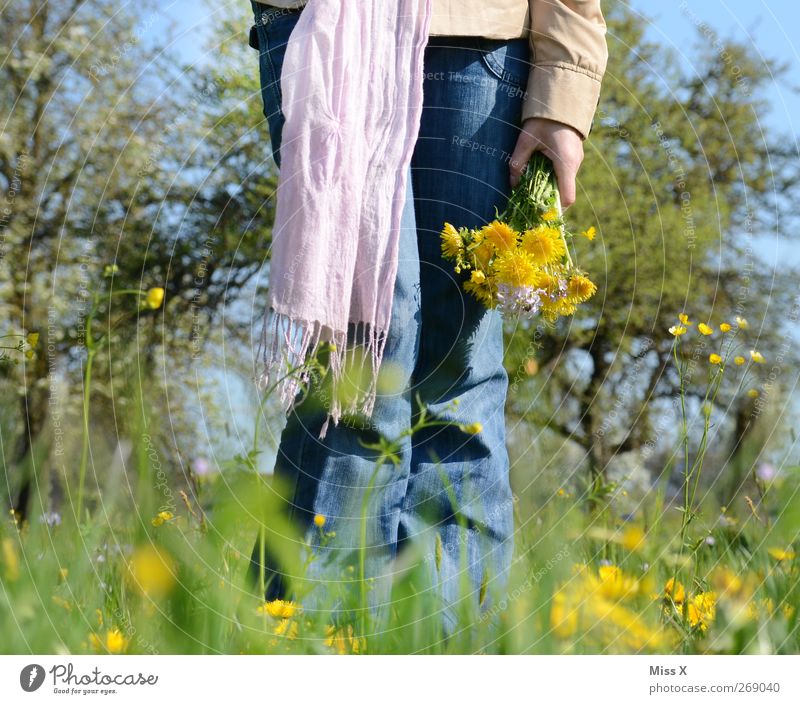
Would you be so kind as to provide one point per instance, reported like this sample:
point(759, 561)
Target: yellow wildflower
point(677, 330)
point(472, 428)
point(580, 288)
point(344, 640)
point(516, 268)
point(741, 322)
point(590, 233)
point(613, 583)
point(10, 560)
point(162, 518)
point(114, 642)
point(286, 627)
point(780, 554)
point(674, 590)
point(705, 329)
point(752, 393)
point(452, 244)
point(757, 357)
point(500, 234)
point(701, 610)
point(550, 214)
point(278, 608)
point(481, 291)
point(544, 244)
point(738, 360)
point(563, 616)
point(32, 338)
point(725, 327)
point(319, 520)
point(154, 297)
point(477, 276)
point(632, 538)
point(714, 358)
point(684, 320)
point(152, 571)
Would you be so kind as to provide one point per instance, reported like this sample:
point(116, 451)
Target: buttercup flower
point(741, 322)
point(154, 297)
point(757, 357)
point(714, 358)
point(705, 329)
point(685, 319)
point(752, 393)
point(677, 330)
point(725, 327)
point(738, 360)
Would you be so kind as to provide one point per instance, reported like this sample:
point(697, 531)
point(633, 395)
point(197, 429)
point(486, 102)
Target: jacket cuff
point(564, 94)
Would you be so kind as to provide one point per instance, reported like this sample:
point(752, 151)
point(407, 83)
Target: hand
point(561, 143)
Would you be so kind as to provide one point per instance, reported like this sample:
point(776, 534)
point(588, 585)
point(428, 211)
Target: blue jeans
point(449, 493)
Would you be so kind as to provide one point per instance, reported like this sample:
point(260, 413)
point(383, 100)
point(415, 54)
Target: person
point(502, 79)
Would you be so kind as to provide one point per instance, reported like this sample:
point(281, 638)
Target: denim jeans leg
point(332, 476)
point(459, 499)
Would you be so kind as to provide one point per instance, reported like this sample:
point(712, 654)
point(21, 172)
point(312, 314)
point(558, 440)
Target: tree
point(680, 185)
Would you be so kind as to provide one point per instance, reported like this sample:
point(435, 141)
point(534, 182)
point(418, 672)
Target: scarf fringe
point(288, 343)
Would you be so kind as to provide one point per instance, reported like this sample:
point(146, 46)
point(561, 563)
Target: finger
point(565, 176)
point(526, 145)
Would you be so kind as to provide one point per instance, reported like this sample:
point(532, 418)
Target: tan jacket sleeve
point(569, 55)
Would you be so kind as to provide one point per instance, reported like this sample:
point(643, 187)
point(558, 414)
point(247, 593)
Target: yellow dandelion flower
point(113, 642)
point(452, 244)
point(633, 538)
point(714, 358)
point(500, 234)
point(481, 291)
point(516, 268)
point(286, 627)
point(154, 297)
point(152, 571)
point(580, 288)
point(590, 233)
point(319, 520)
point(550, 214)
point(780, 555)
point(741, 322)
point(278, 608)
point(757, 357)
point(738, 360)
point(674, 590)
point(677, 330)
point(725, 327)
point(162, 518)
point(705, 329)
point(684, 319)
point(544, 244)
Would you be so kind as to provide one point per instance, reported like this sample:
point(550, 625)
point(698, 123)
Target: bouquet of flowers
point(520, 263)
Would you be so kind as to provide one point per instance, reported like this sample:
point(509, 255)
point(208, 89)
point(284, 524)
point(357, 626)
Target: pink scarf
point(352, 101)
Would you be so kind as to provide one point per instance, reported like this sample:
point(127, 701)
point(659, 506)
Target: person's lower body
point(446, 491)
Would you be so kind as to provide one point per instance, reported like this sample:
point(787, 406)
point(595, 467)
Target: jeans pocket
point(506, 59)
